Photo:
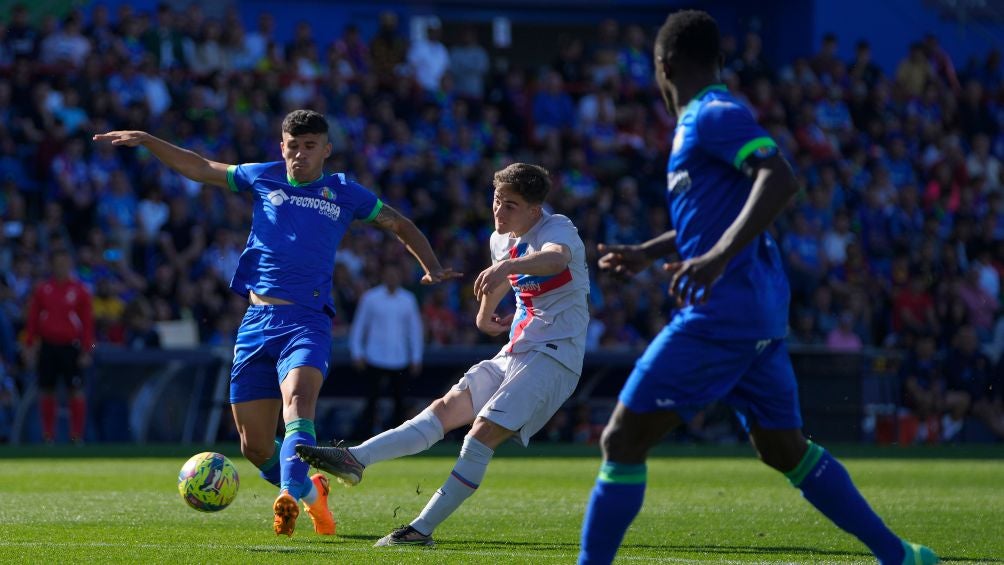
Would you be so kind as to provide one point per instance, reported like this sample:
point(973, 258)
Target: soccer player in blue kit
point(726, 183)
point(283, 344)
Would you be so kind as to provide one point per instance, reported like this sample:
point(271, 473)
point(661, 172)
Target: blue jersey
point(295, 230)
point(706, 189)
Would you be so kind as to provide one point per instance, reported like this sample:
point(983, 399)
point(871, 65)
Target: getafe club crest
point(327, 193)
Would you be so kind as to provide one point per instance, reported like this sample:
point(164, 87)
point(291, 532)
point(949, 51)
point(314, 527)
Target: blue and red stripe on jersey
point(527, 287)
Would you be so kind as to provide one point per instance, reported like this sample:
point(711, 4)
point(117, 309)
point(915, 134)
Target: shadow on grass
point(703, 548)
point(325, 545)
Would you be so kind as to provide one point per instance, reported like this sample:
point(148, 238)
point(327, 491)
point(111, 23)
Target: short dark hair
point(532, 182)
point(692, 35)
point(300, 122)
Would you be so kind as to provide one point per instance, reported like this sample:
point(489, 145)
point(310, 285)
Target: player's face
point(513, 214)
point(305, 154)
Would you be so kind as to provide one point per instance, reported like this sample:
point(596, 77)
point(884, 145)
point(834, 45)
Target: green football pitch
point(703, 505)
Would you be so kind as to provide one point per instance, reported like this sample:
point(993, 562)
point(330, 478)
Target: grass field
point(702, 506)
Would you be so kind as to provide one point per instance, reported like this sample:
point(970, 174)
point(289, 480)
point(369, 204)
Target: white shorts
point(519, 391)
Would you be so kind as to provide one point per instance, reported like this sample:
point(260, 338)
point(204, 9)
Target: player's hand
point(497, 325)
point(123, 137)
point(623, 260)
point(692, 279)
point(490, 279)
point(439, 275)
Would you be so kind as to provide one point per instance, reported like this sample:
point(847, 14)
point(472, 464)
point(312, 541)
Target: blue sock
point(270, 469)
point(294, 469)
point(827, 486)
point(616, 500)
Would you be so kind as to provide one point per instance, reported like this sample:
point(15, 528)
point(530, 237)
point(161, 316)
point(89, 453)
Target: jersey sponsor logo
point(329, 209)
point(528, 287)
point(325, 207)
point(664, 402)
point(277, 197)
point(678, 182)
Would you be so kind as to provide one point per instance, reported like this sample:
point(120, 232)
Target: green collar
point(292, 181)
point(716, 86)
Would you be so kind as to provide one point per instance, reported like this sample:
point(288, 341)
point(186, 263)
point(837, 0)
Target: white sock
point(465, 478)
point(414, 436)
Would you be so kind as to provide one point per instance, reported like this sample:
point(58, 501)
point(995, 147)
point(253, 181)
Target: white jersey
point(551, 311)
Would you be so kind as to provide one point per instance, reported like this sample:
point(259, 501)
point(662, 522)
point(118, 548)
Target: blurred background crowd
point(896, 240)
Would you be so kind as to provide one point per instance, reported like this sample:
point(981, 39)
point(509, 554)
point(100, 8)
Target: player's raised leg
point(464, 480)
point(825, 483)
point(445, 414)
point(620, 487)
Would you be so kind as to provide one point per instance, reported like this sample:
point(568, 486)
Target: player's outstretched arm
point(185, 162)
point(487, 320)
point(415, 241)
point(773, 187)
point(629, 260)
point(550, 260)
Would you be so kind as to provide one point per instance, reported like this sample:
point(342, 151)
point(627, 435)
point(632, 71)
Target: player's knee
point(489, 433)
point(256, 453)
point(453, 410)
point(617, 447)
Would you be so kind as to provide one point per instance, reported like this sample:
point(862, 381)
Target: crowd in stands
point(897, 239)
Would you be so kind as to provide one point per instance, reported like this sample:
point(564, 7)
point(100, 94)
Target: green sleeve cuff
point(751, 146)
point(231, 170)
point(376, 210)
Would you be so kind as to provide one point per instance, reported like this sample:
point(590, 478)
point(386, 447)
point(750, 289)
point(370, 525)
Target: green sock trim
point(622, 474)
point(809, 460)
point(273, 460)
point(301, 425)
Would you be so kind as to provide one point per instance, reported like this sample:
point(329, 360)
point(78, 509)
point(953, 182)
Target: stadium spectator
point(386, 346)
point(843, 337)
point(825, 62)
point(914, 72)
point(971, 384)
point(553, 110)
point(469, 64)
point(388, 50)
point(59, 338)
point(862, 67)
point(924, 392)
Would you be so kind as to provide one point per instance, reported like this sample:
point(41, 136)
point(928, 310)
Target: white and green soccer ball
point(208, 482)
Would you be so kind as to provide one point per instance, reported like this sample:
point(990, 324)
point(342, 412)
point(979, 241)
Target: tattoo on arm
point(387, 219)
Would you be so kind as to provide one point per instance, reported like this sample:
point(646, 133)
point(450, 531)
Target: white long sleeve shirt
point(387, 329)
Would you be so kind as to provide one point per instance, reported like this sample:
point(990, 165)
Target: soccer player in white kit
point(516, 392)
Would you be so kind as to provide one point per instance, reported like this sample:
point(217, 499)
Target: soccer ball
point(208, 482)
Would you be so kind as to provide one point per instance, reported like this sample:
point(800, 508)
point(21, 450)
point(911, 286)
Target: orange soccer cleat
point(320, 515)
point(286, 510)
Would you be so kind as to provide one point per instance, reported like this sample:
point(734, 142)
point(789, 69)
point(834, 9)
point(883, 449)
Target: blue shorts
point(272, 341)
point(684, 373)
